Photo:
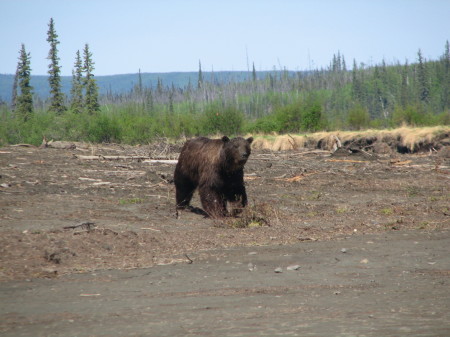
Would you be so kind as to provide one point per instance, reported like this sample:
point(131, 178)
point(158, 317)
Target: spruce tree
point(200, 76)
point(254, 73)
point(76, 92)
point(24, 107)
point(54, 79)
point(140, 83)
point(90, 85)
point(159, 86)
point(424, 90)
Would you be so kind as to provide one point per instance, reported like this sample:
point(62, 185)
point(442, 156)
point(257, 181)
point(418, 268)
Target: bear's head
point(237, 151)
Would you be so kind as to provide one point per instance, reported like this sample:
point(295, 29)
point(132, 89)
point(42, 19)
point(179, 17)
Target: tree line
point(336, 97)
point(84, 92)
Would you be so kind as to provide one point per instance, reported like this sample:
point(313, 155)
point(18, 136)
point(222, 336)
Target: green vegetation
point(412, 191)
point(379, 96)
point(387, 211)
point(131, 201)
point(341, 210)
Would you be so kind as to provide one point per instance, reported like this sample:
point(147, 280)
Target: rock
point(48, 273)
point(344, 250)
point(278, 270)
point(293, 267)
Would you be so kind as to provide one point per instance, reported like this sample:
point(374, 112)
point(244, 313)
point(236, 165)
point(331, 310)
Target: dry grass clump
point(411, 138)
point(256, 215)
point(276, 142)
point(261, 143)
point(288, 142)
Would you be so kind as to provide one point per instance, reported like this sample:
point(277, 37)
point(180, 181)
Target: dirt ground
point(104, 215)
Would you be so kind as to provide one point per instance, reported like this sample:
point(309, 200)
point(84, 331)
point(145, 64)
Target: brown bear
point(216, 167)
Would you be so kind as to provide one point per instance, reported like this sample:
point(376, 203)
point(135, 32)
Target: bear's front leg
point(213, 202)
point(237, 200)
point(235, 192)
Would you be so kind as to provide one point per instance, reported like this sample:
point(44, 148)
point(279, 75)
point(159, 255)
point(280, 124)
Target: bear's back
point(199, 153)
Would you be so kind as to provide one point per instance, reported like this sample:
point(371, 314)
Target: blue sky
point(173, 35)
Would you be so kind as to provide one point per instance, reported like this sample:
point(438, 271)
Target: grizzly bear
point(216, 167)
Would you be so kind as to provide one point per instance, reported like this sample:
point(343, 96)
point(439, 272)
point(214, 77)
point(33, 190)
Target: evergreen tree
point(90, 85)
point(424, 90)
point(24, 107)
point(200, 76)
point(159, 86)
point(171, 95)
point(56, 96)
point(140, 82)
point(76, 92)
point(254, 73)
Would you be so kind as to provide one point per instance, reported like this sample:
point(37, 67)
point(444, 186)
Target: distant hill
point(118, 84)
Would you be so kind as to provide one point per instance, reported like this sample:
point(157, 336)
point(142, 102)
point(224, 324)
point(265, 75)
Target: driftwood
point(144, 159)
point(22, 145)
point(101, 157)
point(84, 225)
point(347, 160)
point(163, 161)
point(311, 152)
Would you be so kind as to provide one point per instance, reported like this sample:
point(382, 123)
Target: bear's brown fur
point(216, 167)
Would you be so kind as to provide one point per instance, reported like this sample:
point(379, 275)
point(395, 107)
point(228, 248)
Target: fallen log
point(84, 225)
point(163, 161)
point(347, 160)
point(22, 145)
point(102, 157)
point(144, 159)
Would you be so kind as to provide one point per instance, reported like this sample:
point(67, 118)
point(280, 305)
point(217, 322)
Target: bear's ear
point(250, 140)
point(225, 139)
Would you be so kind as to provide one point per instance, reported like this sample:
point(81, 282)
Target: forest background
point(148, 106)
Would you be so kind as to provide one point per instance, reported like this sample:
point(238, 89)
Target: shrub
point(311, 117)
point(358, 117)
point(226, 120)
point(104, 128)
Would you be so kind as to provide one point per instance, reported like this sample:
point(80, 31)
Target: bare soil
point(65, 218)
